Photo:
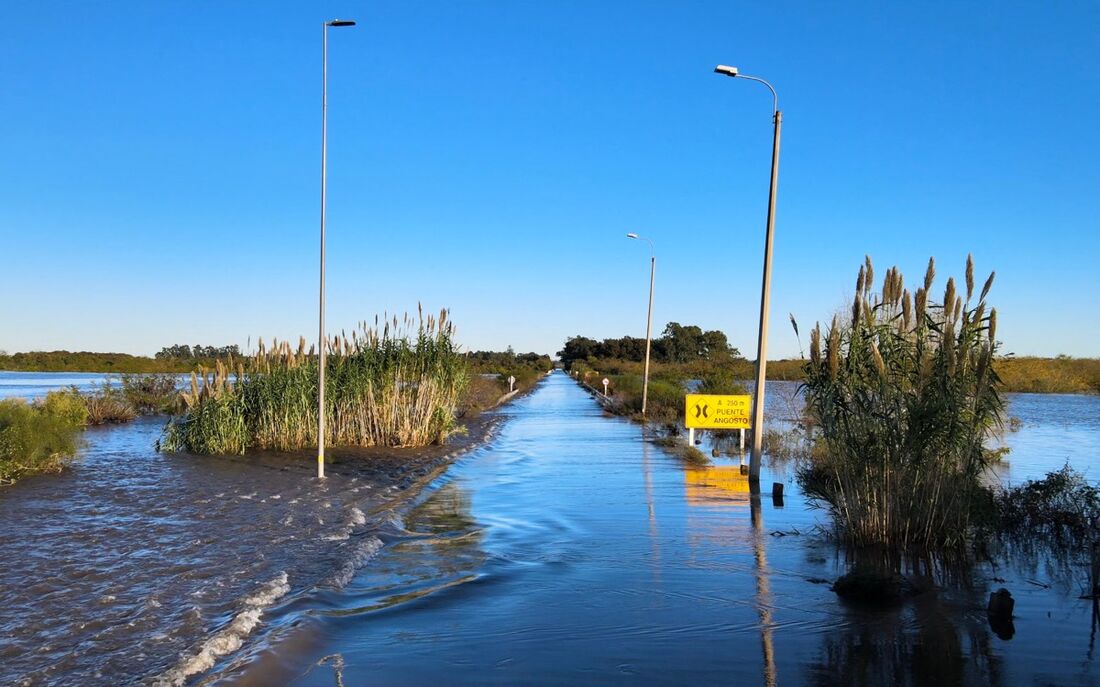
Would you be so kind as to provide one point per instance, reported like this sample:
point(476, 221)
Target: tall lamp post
point(648, 318)
point(765, 290)
point(321, 339)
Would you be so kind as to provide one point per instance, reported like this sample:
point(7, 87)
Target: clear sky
point(159, 165)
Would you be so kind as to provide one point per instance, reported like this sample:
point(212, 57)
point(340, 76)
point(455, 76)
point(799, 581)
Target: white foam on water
point(365, 551)
point(229, 638)
point(358, 517)
point(355, 517)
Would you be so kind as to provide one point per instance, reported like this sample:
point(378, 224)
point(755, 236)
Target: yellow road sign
point(709, 411)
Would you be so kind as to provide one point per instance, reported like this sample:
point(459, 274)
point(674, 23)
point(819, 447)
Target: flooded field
point(36, 384)
point(565, 550)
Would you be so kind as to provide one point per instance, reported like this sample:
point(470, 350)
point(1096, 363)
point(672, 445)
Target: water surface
point(570, 551)
point(567, 550)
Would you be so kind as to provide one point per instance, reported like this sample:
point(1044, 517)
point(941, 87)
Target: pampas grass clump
point(395, 383)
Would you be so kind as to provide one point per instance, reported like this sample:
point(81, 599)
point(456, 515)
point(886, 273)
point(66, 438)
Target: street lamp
point(321, 339)
point(648, 318)
point(765, 290)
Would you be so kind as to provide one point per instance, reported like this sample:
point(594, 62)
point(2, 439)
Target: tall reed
point(394, 383)
point(905, 394)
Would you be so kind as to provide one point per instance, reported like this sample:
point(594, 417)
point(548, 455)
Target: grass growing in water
point(151, 394)
point(905, 396)
point(391, 384)
point(39, 437)
point(107, 405)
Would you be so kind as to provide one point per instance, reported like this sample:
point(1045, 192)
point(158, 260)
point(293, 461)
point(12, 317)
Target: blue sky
point(159, 174)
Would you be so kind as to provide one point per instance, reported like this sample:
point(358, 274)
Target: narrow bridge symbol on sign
point(716, 411)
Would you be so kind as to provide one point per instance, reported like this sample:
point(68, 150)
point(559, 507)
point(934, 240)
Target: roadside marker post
point(605, 383)
point(511, 383)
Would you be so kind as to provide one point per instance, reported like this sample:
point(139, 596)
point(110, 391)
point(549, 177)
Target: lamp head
point(341, 22)
point(632, 235)
point(723, 69)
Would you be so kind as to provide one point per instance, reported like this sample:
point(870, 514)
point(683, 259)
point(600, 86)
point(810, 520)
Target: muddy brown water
point(565, 550)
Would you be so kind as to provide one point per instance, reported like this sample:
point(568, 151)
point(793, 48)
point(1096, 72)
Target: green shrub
point(720, 381)
point(39, 437)
point(904, 396)
point(151, 394)
point(1061, 506)
point(664, 404)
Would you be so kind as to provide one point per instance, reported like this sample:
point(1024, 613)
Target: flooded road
point(566, 550)
point(135, 567)
point(570, 551)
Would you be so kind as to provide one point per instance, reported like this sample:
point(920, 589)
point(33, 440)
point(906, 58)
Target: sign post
point(511, 383)
point(713, 411)
point(606, 381)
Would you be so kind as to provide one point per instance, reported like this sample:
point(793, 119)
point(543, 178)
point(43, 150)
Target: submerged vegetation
point(151, 394)
point(904, 395)
point(39, 437)
point(136, 394)
point(107, 405)
point(391, 384)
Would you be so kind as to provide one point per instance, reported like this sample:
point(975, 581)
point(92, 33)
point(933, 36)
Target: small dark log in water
point(873, 586)
point(1001, 605)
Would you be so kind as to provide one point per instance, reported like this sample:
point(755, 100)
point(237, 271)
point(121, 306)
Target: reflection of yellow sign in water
point(707, 411)
point(716, 484)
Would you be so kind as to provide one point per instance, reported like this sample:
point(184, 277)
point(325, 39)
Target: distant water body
point(36, 384)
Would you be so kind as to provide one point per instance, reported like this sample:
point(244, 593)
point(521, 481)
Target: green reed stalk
point(395, 383)
point(905, 396)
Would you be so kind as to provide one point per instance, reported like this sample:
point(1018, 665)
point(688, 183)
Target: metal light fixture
point(321, 339)
point(649, 316)
point(765, 289)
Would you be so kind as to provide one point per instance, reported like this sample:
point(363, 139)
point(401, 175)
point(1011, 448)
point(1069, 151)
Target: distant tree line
point(87, 361)
point(196, 352)
point(170, 359)
point(677, 344)
point(488, 360)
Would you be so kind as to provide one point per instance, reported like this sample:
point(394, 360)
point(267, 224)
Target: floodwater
point(566, 550)
point(134, 567)
point(33, 385)
point(36, 384)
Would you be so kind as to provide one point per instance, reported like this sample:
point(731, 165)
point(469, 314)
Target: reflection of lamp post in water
point(322, 340)
point(654, 537)
point(649, 316)
point(765, 290)
point(763, 590)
